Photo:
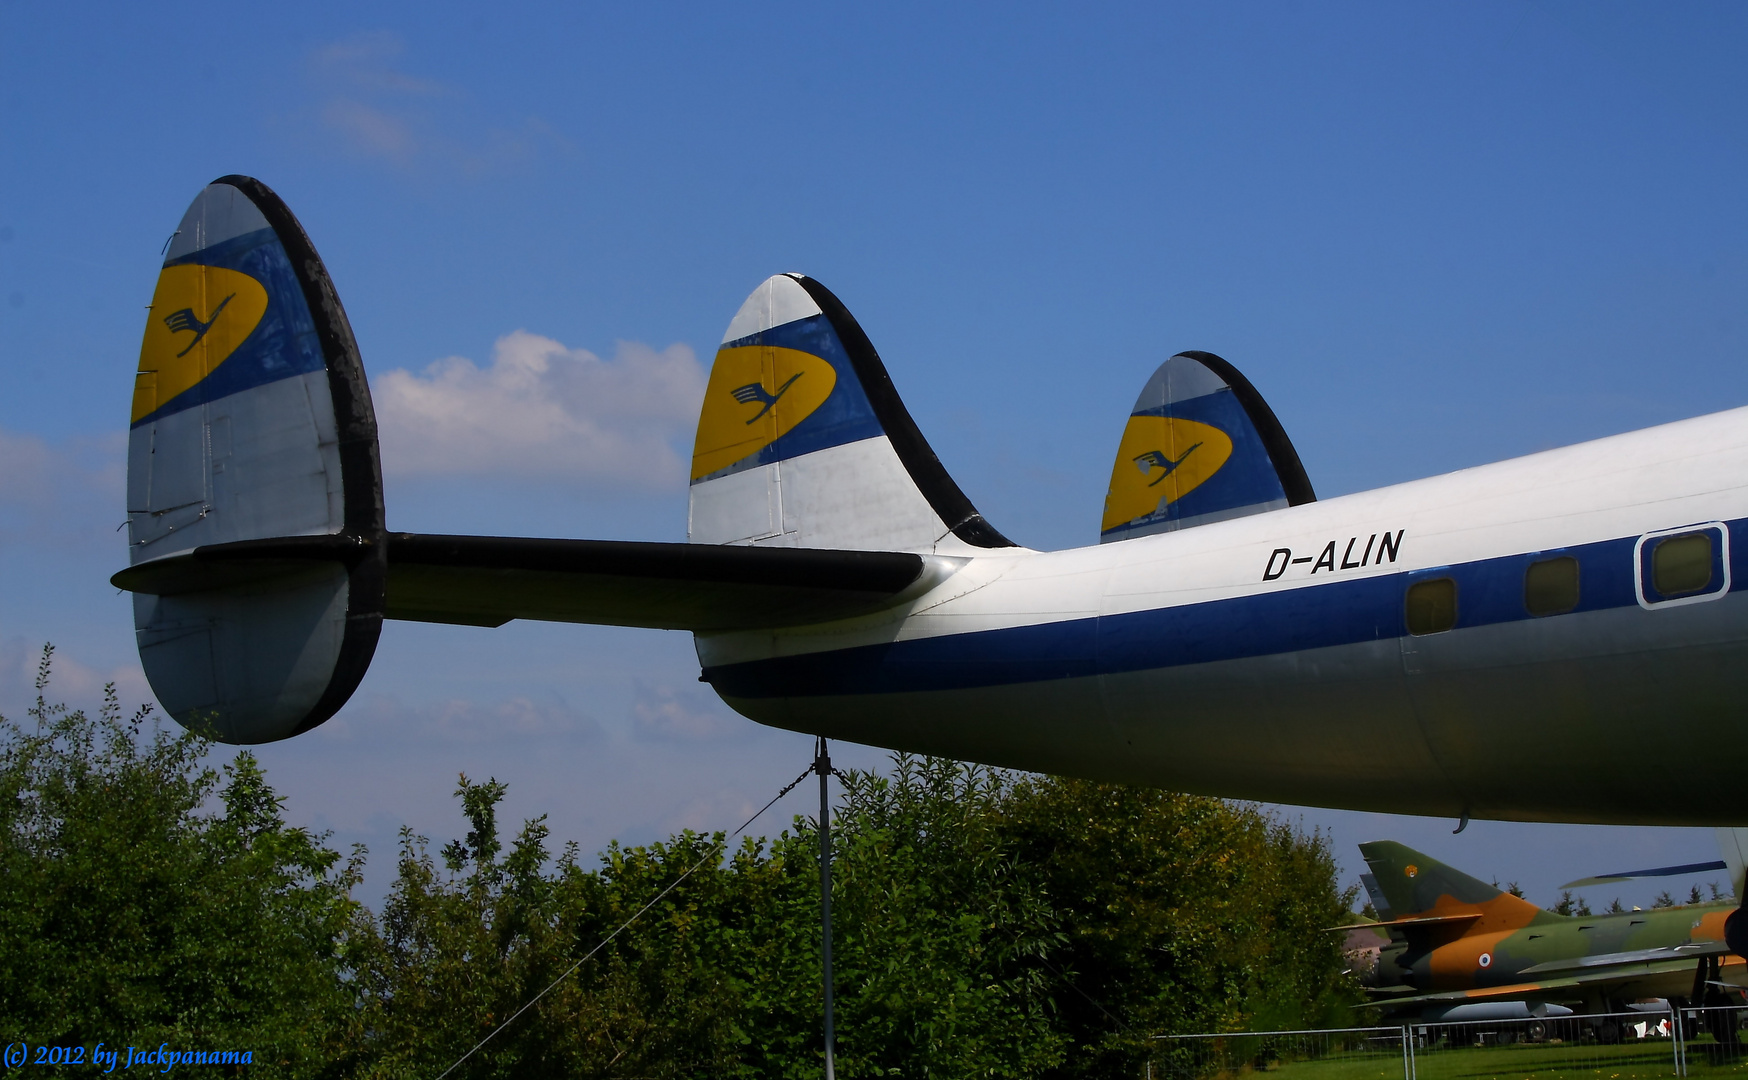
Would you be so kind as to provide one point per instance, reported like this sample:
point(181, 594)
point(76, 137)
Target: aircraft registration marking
point(1381, 545)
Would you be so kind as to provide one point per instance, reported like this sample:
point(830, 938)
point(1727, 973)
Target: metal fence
point(1598, 1046)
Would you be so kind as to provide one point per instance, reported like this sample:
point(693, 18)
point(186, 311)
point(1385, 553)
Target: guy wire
point(791, 786)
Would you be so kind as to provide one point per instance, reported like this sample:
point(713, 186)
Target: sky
point(1432, 235)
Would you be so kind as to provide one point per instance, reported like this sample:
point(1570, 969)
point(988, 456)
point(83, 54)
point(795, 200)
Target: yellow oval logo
point(1160, 460)
point(200, 314)
point(757, 394)
point(1411, 870)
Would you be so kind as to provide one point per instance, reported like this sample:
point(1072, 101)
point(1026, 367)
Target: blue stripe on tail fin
point(1200, 445)
point(803, 442)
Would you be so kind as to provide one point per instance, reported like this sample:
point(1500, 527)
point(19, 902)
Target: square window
point(1689, 565)
point(1682, 565)
point(1432, 606)
point(1550, 587)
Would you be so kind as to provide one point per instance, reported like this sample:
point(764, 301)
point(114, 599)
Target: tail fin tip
point(1200, 445)
point(803, 441)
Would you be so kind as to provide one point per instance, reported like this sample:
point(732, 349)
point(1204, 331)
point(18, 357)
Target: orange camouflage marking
point(1711, 928)
point(1456, 962)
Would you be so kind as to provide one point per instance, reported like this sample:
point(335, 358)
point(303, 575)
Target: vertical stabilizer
point(803, 442)
point(252, 433)
point(1200, 446)
point(1417, 885)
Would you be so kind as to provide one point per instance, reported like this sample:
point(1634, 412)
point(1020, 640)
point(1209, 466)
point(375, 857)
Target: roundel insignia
point(1160, 460)
point(1486, 959)
point(1411, 870)
point(757, 393)
point(200, 314)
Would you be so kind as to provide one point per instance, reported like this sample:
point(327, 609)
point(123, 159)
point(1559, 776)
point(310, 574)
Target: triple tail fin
point(1200, 446)
point(803, 441)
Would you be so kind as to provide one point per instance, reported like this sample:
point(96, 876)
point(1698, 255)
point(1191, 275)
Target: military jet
point(1460, 949)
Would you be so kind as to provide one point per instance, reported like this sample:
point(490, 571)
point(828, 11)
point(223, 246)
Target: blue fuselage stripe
point(1489, 592)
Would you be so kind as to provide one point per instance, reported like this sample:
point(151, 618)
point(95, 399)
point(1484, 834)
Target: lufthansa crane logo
point(756, 392)
point(186, 319)
point(1167, 466)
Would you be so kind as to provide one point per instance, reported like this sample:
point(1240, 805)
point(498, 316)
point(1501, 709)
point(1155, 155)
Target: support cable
point(791, 786)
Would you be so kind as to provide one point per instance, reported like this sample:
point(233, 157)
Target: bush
point(986, 924)
point(138, 912)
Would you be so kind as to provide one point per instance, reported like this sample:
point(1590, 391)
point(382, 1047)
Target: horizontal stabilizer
point(1660, 871)
point(486, 580)
point(1424, 920)
point(489, 580)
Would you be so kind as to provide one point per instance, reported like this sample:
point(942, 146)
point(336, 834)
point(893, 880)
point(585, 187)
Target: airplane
point(1555, 637)
point(1460, 949)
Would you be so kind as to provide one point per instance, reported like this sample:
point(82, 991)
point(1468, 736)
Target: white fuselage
point(1269, 657)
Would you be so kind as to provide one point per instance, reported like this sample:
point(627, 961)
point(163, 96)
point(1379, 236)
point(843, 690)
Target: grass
point(1523, 1061)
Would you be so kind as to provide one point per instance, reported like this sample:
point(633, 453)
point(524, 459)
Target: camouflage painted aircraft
point(1462, 949)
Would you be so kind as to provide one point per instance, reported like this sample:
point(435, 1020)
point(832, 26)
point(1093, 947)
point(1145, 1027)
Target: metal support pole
point(822, 764)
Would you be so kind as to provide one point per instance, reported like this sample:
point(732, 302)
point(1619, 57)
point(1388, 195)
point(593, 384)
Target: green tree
point(138, 912)
point(986, 924)
point(1183, 913)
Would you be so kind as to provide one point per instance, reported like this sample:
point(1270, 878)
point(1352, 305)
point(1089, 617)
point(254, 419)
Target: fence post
point(1675, 1036)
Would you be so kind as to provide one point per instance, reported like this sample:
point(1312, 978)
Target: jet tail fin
point(1417, 885)
point(1200, 446)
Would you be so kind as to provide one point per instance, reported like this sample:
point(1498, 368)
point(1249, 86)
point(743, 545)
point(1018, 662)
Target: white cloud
point(376, 719)
point(663, 714)
point(371, 130)
point(52, 493)
point(540, 409)
point(32, 472)
point(367, 59)
point(79, 686)
point(379, 111)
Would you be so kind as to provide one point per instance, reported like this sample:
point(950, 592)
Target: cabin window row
point(1680, 566)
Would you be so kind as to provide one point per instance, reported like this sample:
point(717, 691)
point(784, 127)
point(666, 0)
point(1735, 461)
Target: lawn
point(1521, 1061)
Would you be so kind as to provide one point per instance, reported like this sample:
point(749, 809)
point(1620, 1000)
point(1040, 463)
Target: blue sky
point(1432, 235)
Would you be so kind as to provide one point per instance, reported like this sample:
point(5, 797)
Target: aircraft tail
point(1200, 446)
point(258, 558)
point(803, 441)
point(252, 427)
point(1416, 886)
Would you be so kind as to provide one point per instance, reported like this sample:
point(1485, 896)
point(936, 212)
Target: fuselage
point(1523, 956)
point(1271, 657)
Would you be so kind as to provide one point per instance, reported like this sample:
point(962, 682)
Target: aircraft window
point(1682, 564)
point(1432, 606)
point(1550, 587)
